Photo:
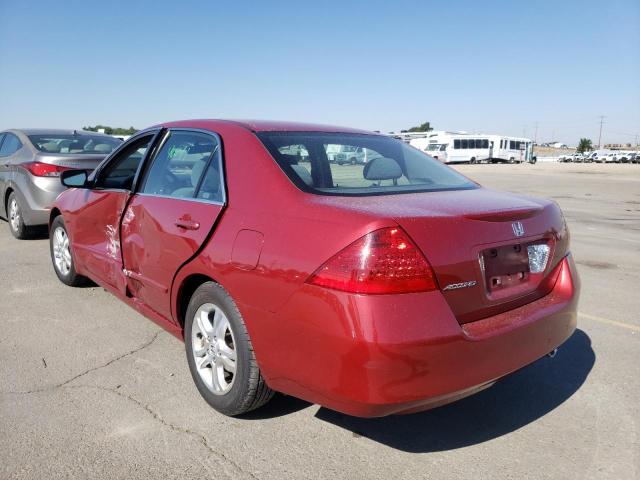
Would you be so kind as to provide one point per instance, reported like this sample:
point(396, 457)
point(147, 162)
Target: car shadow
point(40, 232)
point(280, 405)
point(510, 404)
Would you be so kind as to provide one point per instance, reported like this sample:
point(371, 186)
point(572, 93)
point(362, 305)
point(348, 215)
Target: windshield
point(78, 143)
point(386, 165)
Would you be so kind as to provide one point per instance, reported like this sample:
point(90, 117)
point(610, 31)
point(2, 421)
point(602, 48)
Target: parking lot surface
point(91, 389)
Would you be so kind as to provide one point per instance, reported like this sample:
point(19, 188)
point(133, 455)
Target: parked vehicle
point(634, 157)
point(609, 157)
point(622, 157)
point(456, 147)
point(352, 155)
point(30, 165)
point(594, 157)
point(389, 287)
point(570, 157)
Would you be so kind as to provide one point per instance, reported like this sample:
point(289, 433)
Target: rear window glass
point(358, 164)
point(79, 143)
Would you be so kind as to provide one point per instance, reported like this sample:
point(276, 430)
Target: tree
point(585, 145)
point(425, 127)
point(111, 130)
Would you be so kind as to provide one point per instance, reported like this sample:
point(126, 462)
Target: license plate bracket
point(505, 266)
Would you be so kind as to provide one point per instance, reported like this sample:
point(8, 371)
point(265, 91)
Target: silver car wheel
point(61, 251)
point(14, 215)
point(213, 348)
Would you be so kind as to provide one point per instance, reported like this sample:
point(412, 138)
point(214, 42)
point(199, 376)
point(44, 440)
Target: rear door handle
point(187, 224)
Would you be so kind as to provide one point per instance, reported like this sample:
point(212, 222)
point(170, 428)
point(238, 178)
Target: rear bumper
point(36, 195)
point(373, 355)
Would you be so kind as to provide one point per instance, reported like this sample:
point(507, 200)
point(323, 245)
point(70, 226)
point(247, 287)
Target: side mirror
point(74, 178)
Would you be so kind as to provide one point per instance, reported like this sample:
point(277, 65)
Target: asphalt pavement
point(91, 389)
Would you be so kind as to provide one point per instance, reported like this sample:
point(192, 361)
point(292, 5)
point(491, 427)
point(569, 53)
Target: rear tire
point(220, 354)
point(472, 161)
point(61, 255)
point(16, 220)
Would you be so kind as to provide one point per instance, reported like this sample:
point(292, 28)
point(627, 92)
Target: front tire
point(61, 257)
point(220, 354)
point(16, 220)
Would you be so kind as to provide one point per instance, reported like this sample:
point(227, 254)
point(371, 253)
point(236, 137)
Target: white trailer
point(458, 147)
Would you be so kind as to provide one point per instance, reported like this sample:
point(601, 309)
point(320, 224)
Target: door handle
point(187, 224)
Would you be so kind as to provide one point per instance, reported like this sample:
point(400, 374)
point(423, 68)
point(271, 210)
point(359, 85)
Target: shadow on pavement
point(278, 406)
point(510, 404)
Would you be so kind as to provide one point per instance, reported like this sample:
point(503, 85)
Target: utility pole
point(601, 117)
point(535, 136)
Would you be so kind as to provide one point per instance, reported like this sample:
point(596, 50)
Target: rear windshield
point(79, 143)
point(354, 164)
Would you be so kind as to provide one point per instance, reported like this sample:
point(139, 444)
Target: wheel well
point(54, 213)
point(5, 201)
point(188, 287)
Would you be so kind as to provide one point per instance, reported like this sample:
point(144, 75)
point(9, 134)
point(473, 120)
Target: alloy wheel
point(61, 251)
point(213, 348)
point(14, 215)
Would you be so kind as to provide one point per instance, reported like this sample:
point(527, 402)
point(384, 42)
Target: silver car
point(30, 165)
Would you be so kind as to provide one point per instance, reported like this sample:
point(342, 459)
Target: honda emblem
point(518, 229)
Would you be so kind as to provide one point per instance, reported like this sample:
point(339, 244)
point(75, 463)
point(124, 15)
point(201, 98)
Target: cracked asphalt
point(91, 389)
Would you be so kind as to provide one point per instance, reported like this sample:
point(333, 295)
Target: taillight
point(44, 169)
point(381, 262)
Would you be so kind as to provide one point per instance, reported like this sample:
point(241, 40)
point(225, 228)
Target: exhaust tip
point(552, 353)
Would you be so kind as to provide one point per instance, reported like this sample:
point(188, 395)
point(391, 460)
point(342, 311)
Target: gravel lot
point(91, 389)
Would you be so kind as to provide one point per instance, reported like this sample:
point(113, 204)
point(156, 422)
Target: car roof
point(263, 126)
point(53, 131)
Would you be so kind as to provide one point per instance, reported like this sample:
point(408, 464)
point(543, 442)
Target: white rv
point(457, 147)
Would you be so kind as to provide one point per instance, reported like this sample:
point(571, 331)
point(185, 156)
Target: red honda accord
point(391, 284)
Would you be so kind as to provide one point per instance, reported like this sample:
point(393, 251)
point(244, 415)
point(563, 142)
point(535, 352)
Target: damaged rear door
point(172, 214)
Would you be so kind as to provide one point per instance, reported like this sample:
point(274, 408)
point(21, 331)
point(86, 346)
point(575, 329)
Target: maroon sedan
point(388, 286)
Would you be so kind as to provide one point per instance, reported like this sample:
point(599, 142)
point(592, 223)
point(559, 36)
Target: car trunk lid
point(71, 160)
point(479, 244)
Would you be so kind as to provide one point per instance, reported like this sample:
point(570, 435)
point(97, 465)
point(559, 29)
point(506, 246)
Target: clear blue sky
point(382, 65)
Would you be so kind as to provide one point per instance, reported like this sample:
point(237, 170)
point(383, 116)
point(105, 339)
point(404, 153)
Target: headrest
point(102, 147)
point(52, 147)
point(382, 168)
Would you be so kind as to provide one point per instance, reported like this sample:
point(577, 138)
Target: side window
point(121, 170)
point(485, 143)
point(211, 185)
point(178, 170)
point(456, 144)
point(464, 143)
point(10, 145)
